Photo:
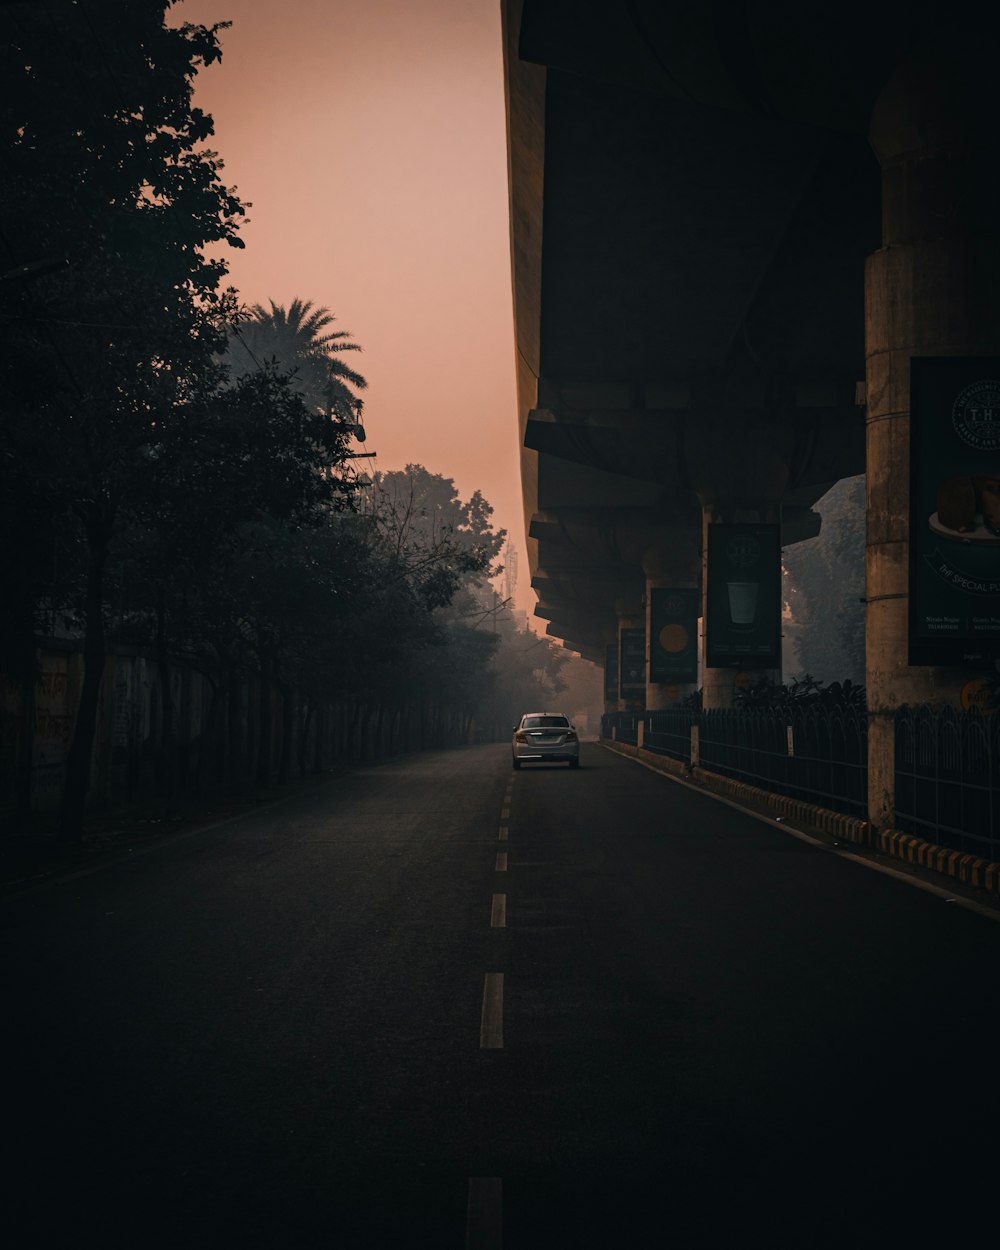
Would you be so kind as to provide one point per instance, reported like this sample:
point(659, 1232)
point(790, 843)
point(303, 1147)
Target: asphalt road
point(440, 1004)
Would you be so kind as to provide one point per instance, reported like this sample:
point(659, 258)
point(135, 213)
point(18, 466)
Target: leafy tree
point(371, 654)
point(291, 589)
point(583, 697)
point(450, 680)
point(444, 541)
point(530, 674)
point(415, 645)
point(110, 199)
point(232, 473)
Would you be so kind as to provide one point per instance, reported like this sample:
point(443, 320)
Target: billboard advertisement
point(632, 662)
point(673, 634)
point(954, 510)
point(743, 628)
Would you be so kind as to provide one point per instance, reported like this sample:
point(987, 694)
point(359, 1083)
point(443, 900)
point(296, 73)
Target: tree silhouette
point(297, 340)
point(110, 198)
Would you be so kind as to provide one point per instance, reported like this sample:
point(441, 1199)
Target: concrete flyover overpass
point(732, 226)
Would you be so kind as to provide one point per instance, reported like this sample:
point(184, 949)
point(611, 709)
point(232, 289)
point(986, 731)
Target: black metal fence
point(622, 726)
point(947, 778)
point(947, 761)
point(669, 732)
point(817, 754)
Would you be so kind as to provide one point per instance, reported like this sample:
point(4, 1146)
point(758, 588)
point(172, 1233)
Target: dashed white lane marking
point(505, 812)
point(501, 861)
point(502, 835)
point(484, 1218)
point(491, 1027)
point(498, 912)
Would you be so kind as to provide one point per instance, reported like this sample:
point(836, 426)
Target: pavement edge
point(969, 869)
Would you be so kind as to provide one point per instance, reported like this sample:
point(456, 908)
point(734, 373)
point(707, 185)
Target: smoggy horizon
point(369, 138)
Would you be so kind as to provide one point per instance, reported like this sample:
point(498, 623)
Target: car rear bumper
point(526, 754)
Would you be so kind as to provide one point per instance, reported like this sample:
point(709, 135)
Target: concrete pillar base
point(927, 293)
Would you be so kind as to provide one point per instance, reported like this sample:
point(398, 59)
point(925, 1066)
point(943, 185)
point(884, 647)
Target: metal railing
point(947, 778)
point(947, 761)
point(830, 757)
point(622, 726)
point(668, 732)
point(817, 754)
point(750, 746)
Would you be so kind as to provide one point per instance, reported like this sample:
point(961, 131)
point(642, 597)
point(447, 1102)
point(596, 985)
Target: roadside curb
point(983, 874)
point(969, 869)
point(809, 815)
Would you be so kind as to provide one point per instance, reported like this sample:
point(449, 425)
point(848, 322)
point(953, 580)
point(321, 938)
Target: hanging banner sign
point(744, 597)
point(631, 662)
point(954, 509)
point(673, 634)
point(611, 671)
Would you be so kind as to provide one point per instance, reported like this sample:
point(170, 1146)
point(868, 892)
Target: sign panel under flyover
point(673, 634)
point(744, 597)
point(954, 509)
point(611, 671)
point(632, 662)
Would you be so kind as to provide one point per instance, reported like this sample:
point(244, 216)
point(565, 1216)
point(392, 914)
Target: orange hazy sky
point(369, 137)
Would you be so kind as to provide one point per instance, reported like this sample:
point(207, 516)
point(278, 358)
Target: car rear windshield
point(545, 722)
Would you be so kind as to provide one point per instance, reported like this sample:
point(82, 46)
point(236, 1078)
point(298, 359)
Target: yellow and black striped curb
point(808, 815)
point(970, 869)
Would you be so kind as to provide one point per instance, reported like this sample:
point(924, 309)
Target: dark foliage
point(803, 691)
point(175, 474)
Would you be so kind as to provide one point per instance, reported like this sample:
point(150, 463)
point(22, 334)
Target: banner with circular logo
point(673, 634)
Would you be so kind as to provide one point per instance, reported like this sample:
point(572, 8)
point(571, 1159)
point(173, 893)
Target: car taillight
point(571, 735)
point(520, 737)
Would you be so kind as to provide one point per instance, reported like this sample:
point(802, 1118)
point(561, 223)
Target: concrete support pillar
point(673, 562)
point(612, 702)
point(925, 295)
point(718, 685)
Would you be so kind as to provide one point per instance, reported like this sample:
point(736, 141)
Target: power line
point(246, 347)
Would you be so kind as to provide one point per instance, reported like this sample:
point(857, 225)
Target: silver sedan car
point(545, 736)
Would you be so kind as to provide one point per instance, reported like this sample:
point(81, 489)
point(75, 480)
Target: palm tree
point(297, 340)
